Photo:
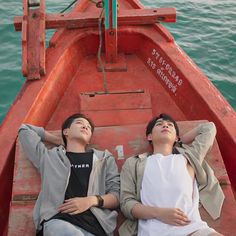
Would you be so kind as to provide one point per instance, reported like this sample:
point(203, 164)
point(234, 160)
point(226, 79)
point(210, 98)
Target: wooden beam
point(87, 19)
point(24, 38)
point(111, 31)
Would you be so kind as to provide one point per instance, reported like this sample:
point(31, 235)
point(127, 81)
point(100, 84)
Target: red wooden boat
point(139, 72)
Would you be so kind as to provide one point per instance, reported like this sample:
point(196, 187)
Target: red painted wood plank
point(111, 45)
point(42, 40)
point(88, 19)
point(21, 221)
point(24, 38)
point(119, 117)
point(24, 48)
point(149, 16)
point(117, 109)
point(26, 178)
point(129, 140)
point(33, 44)
point(117, 101)
point(110, 36)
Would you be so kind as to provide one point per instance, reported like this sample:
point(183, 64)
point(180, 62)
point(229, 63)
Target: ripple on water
point(206, 30)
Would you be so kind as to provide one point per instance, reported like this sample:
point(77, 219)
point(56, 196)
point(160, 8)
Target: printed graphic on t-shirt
point(80, 166)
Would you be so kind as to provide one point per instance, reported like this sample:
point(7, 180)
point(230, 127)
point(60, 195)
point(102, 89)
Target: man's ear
point(177, 139)
point(149, 137)
point(65, 131)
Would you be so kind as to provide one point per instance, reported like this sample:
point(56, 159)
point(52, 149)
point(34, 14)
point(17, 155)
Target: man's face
point(163, 132)
point(80, 129)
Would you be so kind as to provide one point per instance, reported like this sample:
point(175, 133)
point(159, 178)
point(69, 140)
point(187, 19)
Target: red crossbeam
point(87, 19)
point(35, 21)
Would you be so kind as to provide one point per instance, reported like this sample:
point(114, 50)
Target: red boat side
point(157, 77)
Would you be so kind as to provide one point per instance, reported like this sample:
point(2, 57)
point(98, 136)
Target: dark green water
point(206, 30)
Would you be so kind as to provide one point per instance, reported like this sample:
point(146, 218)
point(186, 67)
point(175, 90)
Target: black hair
point(163, 116)
point(67, 123)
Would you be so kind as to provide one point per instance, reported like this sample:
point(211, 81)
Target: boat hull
point(156, 72)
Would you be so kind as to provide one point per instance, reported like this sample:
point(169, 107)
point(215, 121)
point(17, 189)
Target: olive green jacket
point(211, 194)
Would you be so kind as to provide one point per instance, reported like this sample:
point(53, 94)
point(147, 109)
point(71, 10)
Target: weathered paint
point(33, 41)
point(72, 69)
point(90, 19)
point(33, 44)
point(132, 140)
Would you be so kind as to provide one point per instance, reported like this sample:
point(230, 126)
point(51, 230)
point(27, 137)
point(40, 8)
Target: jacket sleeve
point(128, 193)
point(112, 178)
point(203, 141)
point(31, 139)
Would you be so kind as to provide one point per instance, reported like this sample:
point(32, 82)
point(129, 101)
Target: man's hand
point(173, 216)
point(78, 205)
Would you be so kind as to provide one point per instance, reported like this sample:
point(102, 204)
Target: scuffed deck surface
point(120, 118)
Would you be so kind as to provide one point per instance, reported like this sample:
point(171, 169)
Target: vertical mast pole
point(111, 30)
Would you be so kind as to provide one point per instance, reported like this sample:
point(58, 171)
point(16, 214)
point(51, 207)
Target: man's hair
point(67, 123)
point(163, 116)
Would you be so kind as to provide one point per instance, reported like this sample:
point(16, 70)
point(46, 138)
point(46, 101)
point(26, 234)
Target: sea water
point(206, 30)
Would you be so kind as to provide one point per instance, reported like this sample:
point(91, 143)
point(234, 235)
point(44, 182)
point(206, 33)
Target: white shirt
point(168, 184)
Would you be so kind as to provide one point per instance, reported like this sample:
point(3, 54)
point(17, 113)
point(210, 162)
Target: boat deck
point(153, 76)
point(120, 117)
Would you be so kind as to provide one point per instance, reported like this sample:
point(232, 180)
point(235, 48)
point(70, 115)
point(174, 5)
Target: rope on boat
point(71, 4)
point(98, 4)
point(99, 51)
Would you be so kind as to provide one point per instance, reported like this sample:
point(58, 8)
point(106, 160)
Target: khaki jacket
point(211, 194)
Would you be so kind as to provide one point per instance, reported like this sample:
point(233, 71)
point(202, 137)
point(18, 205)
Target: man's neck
point(164, 149)
point(75, 146)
